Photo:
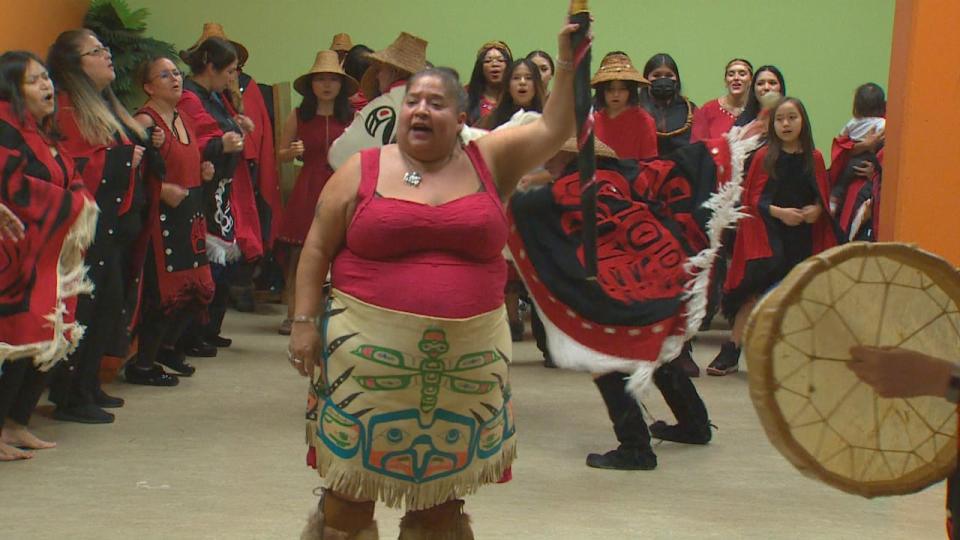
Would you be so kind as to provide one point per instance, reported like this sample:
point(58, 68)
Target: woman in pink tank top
point(407, 353)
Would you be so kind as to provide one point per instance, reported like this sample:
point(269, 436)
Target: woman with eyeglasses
point(46, 220)
point(487, 79)
point(177, 281)
point(108, 147)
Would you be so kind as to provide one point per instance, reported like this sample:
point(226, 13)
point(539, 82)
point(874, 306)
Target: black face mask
point(663, 89)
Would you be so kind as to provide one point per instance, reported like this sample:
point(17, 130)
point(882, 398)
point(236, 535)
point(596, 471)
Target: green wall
point(825, 48)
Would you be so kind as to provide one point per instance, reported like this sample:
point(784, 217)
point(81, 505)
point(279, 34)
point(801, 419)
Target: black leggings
point(223, 277)
point(156, 329)
point(21, 385)
point(77, 381)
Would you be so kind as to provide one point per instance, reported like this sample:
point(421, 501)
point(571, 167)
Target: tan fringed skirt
point(407, 409)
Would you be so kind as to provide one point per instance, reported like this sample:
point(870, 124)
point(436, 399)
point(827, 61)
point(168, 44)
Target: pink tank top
point(438, 261)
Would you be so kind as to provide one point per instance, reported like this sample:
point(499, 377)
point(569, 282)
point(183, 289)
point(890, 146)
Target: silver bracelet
point(564, 64)
point(305, 319)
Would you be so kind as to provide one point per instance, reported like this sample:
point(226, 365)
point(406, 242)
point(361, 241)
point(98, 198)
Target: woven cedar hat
point(326, 62)
point(407, 53)
point(600, 148)
point(216, 30)
point(617, 67)
point(341, 42)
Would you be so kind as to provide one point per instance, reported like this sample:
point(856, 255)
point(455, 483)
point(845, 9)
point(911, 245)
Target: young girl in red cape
point(785, 198)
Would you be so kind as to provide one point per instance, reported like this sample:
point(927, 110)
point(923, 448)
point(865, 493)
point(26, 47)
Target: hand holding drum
point(845, 370)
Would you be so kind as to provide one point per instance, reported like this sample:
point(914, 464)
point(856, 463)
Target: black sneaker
point(624, 459)
point(106, 401)
point(243, 299)
point(516, 331)
point(218, 341)
point(686, 363)
point(83, 414)
point(681, 434)
point(726, 362)
point(175, 361)
point(199, 349)
point(548, 361)
point(154, 376)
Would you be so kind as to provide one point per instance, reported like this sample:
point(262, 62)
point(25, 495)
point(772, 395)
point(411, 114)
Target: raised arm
point(513, 152)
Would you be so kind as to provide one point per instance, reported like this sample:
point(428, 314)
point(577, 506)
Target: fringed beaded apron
point(409, 409)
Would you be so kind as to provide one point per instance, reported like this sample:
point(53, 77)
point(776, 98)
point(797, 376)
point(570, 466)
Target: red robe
point(243, 199)
point(109, 176)
point(847, 206)
point(220, 214)
point(753, 242)
point(258, 146)
point(650, 222)
point(358, 101)
point(632, 134)
point(41, 274)
point(178, 234)
point(711, 121)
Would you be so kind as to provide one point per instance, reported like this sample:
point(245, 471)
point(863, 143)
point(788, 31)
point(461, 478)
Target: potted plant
point(122, 29)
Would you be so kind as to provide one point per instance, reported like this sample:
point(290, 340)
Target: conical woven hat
point(600, 148)
point(617, 67)
point(341, 42)
point(216, 30)
point(407, 53)
point(326, 62)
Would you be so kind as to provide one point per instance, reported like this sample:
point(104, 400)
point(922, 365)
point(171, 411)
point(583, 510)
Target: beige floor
point(221, 456)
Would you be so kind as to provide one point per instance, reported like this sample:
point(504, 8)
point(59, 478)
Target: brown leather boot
point(340, 519)
point(443, 522)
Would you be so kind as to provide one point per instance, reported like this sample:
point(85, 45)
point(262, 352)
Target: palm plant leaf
point(122, 29)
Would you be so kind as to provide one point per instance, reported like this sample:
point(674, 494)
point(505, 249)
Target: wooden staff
point(582, 42)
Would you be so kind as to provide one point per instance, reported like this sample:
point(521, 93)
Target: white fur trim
point(221, 252)
point(71, 281)
point(858, 221)
point(519, 118)
point(725, 203)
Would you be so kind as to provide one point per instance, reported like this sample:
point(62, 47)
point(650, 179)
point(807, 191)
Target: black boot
point(693, 425)
point(634, 452)
point(685, 360)
point(726, 362)
point(243, 298)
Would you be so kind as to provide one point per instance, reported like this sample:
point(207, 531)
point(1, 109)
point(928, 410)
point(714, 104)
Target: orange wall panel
point(33, 25)
point(921, 184)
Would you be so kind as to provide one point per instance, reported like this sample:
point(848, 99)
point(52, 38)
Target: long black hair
point(342, 110)
point(215, 50)
point(356, 62)
point(752, 109)
point(478, 82)
point(546, 56)
point(505, 105)
point(600, 101)
point(13, 69)
point(99, 113)
point(775, 145)
point(660, 60)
